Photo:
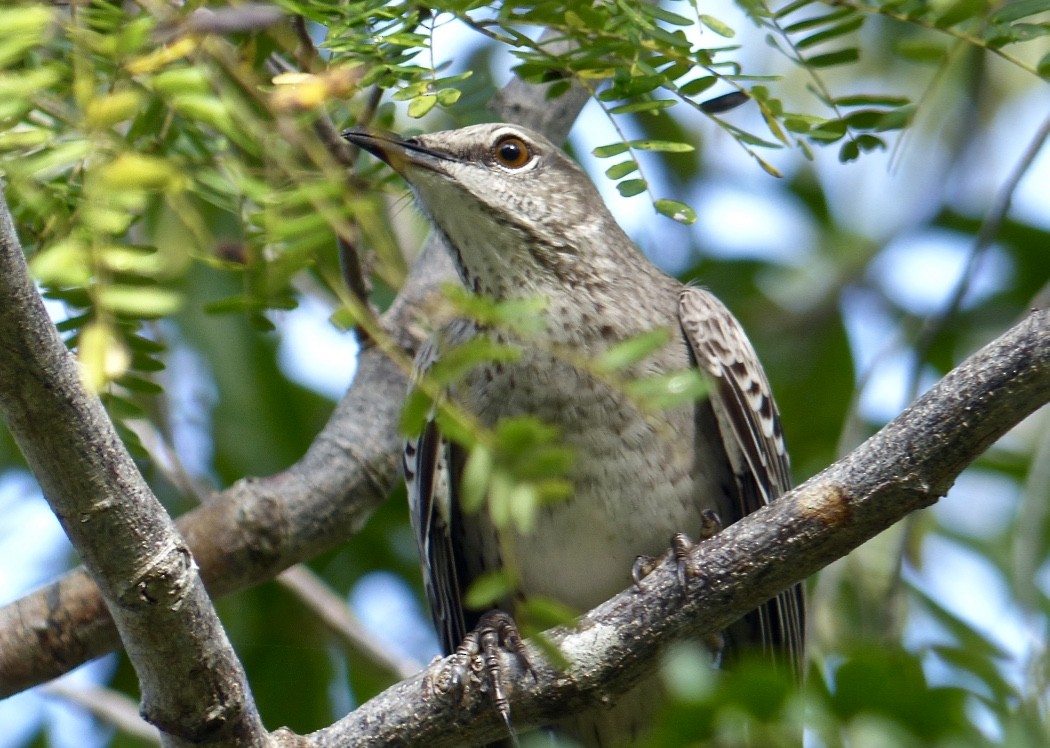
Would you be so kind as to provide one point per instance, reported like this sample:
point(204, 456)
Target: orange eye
point(512, 152)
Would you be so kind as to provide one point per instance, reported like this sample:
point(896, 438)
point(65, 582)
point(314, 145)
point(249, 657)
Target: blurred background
point(861, 283)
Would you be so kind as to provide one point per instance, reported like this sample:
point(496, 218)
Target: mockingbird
point(522, 220)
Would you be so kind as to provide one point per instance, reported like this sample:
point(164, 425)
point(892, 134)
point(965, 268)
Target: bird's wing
point(749, 424)
point(430, 464)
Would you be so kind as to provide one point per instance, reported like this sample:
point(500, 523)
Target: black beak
point(378, 145)
point(399, 153)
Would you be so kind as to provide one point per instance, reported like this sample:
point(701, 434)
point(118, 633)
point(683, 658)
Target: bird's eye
point(512, 152)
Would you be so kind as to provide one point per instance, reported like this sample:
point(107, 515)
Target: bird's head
point(520, 216)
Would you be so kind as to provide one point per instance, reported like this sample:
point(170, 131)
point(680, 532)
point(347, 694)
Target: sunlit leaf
point(487, 590)
point(613, 149)
point(622, 169)
point(664, 146)
point(675, 210)
point(632, 350)
point(634, 107)
point(631, 187)
point(143, 302)
point(717, 26)
point(421, 105)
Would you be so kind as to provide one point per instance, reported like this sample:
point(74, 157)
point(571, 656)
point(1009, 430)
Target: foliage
point(172, 183)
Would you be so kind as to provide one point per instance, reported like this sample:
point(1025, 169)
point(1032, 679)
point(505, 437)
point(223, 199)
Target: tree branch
point(129, 545)
point(906, 466)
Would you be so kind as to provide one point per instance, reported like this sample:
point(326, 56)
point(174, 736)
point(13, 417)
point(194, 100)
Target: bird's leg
point(496, 631)
point(681, 547)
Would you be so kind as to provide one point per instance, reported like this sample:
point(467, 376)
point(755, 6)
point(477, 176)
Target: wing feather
point(430, 463)
point(749, 424)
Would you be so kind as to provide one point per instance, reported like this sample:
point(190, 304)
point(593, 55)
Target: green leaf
point(24, 139)
point(24, 26)
point(475, 479)
point(143, 302)
point(113, 108)
point(790, 8)
point(631, 87)
point(896, 119)
point(140, 385)
point(632, 350)
point(669, 390)
point(675, 210)
point(1026, 32)
point(144, 261)
point(556, 89)
point(448, 96)
point(545, 613)
point(523, 432)
point(767, 167)
point(1018, 9)
point(459, 359)
point(817, 21)
point(841, 57)
point(421, 105)
point(631, 187)
point(66, 263)
point(725, 102)
point(415, 412)
point(622, 169)
point(501, 488)
point(643, 106)
point(523, 502)
point(138, 171)
point(697, 85)
point(850, 151)
point(870, 143)
point(864, 119)
point(452, 426)
point(1043, 66)
point(872, 100)
point(717, 26)
point(664, 146)
point(841, 29)
point(205, 108)
point(959, 11)
point(613, 149)
point(921, 50)
point(799, 123)
point(176, 81)
point(523, 315)
point(661, 14)
point(488, 590)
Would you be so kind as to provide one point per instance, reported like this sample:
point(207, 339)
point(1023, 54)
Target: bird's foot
point(477, 660)
point(681, 547)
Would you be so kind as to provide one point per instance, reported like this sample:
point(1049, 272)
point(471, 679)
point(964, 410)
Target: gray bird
point(522, 220)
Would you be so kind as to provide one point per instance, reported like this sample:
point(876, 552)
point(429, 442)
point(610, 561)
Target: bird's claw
point(681, 548)
point(477, 660)
point(643, 566)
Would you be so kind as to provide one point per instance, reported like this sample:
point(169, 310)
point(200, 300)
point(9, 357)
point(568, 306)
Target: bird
point(522, 220)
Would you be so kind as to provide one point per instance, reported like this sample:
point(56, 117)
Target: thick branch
point(908, 465)
point(128, 543)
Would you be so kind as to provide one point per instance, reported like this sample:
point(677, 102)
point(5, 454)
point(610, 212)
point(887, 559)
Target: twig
point(108, 705)
point(333, 611)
